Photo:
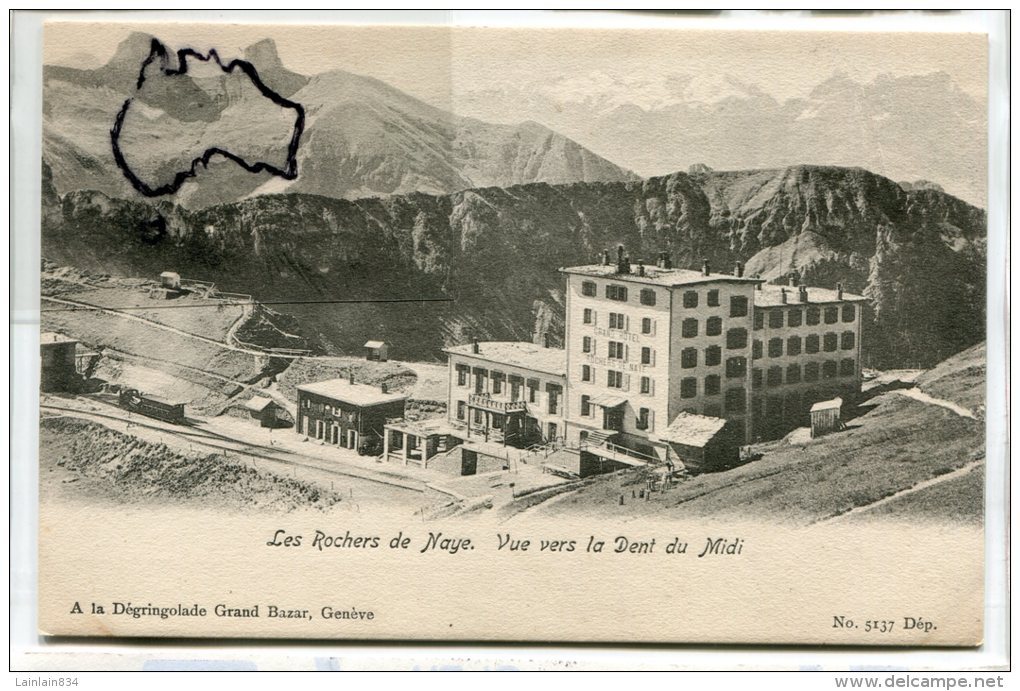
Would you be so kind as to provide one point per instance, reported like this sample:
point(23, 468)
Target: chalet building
point(267, 411)
point(377, 351)
point(826, 418)
point(703, 443)
point(507, 392)
point(59, 369)
point(350, 415)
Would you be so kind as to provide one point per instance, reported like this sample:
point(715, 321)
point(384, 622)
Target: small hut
point(170, 280)
point(825, 417)
point(702, 443)
point(378, 351)
point(265, 410)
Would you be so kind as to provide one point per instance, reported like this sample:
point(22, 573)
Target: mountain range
point(362, 137)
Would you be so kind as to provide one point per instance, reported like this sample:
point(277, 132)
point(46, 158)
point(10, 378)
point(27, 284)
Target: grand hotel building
point(645, 343)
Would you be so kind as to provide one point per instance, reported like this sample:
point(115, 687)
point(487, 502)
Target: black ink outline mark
point(157, 49)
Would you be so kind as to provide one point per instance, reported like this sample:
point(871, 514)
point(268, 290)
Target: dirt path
point(247, 311)
point(921, 396)
point(857, 510)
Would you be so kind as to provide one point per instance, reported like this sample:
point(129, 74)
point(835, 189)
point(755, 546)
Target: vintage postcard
point(553, 335)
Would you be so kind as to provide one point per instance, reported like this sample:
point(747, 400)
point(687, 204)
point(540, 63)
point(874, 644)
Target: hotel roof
point(518, 354)
point(691, 429)
point(655, 275)
point(355, 394)
point(771, 296)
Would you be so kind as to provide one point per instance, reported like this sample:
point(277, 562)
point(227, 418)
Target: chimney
point(738, 270)
point(667, 263)
point(605, 257)
point(382, 387)
point(704, 268)
point(802, 293)
point(661, 261)
point(782, 295)
point(350, 376)
point(622, 263)
point(640, 268)
point(757, 286)
point(545, 340)
point(794, 278)
point(474, 346)
point(839, 291)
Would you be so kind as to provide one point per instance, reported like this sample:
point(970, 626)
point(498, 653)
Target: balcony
point(484, 402)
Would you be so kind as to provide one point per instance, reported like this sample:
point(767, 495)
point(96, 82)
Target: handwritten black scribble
point(158, 50)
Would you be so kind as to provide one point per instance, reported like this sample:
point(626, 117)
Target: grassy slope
point(960, 379)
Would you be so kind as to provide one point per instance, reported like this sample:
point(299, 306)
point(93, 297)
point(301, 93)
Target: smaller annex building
point(59, 369)
point(347, 414)
point(703, 443)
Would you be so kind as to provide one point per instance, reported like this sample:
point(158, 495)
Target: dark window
point(614, 379)
point(847, 340)
point(588, 288)
point(775, 319)
point(775, 376)
point(642, 418)
point(713, 298)
point(738, 306)
point(736, 400)
point(616, 350)
point(829, 368)
point(647, 296)
point(690, 298)
point(617, 320)
point(646, 325)
point(756, 378)
point(646, 384)
point(713, 326)
point(689, 358)
point(775, 347)
point(586, 344)
point(849, 313)
point(615, 292)
point(793, 345)
point(831, 315)
point(587, 315)
point(712, 384)
point(811, 371)
point(811, 344)
point(793, 374)
point(585, 405)
point(713, 410)
point(554, 401)
point(713, 355)
point(756, 349)
point(830, 342)
point(688, 387)
point(461, 410)
point(814, 315)
point(759, 320)
point(736, 338)
point(462, 377)
point(689, 328)
point(736, 367)
point(847, 367)
point(532, 390)
point(646, 355)
point(794, 317)
point(497, 382)
point(585, 373)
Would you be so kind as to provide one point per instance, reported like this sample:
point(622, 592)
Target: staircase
point(600, 437)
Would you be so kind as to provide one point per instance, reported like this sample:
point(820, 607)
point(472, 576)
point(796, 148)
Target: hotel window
point(713, 355)
point(690, 298)
point(689, 328)
point(586, 344)
point(497, 382)
point(647, 297)
point(646, 355)
point(847, 367)
point(775, 319)
point(736, 339)
point(713, 298)
point(775, 376)
point(830, 342)
point(478, 416)
point(616, 350)
point(793, 374)
point(585, 405)
point(713, 384)
point(642, 418)
point(588, 288)
point(688, 387)
point(713, 326)
point(646, 325)
point(738, 306)
point(615, 292)
point(831, 315)
point(585, 373)
point(756, 349)
point(646, 384)
point(759, 319)
point(617, 321)
point(587, 315)
point(614, 379)
point(849, 313)
point(811, 344)
point(553, 394)
point(736, 367)
point(811, 371)
point(462, 377)
point(829, 368)
point(461, 410)
point(756, 378)
point(515, 389)
point(814, 315)
point(847, 340)
point(532, 390)
point(775, 347)
point(736, 400)
point(689, 358)
point(794, 317)
point(793, 345)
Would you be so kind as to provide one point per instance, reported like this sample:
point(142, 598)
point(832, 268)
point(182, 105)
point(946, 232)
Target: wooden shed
point(703, 443)
point(265, 410)
point(825, 417)
point(377, 350)
point(170, 280)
